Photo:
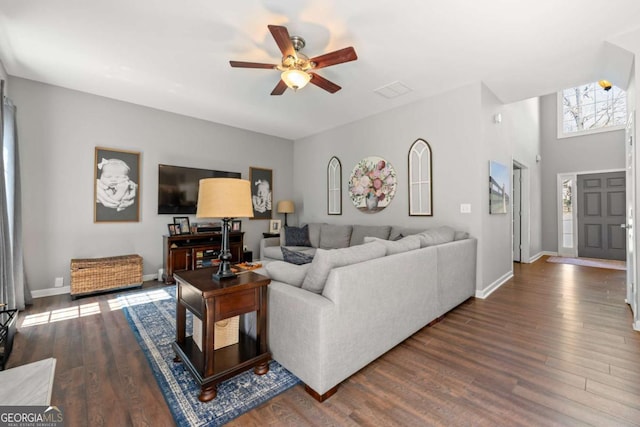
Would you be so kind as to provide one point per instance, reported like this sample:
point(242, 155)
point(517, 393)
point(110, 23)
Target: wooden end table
point(212, 301)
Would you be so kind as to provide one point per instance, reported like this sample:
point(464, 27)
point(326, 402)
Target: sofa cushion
point(314, 234)
point(296, 236)
point(285, 272)
point(436, 236)
point(397, 231)
point(408, 243)
point(295, 257)
point(359, 232)
point(334, 236)
point(325, 260)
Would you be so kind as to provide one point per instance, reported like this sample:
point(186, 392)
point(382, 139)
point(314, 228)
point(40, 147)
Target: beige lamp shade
point(286, 206)
point(224, 198)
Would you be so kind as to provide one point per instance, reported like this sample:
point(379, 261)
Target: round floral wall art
point(372, 184)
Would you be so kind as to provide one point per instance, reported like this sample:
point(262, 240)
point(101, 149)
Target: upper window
point(589, 109)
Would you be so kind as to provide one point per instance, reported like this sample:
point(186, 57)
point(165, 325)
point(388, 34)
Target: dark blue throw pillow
point(295, 257)
point(296, 236)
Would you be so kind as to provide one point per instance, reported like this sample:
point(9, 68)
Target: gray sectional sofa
point(333, 316)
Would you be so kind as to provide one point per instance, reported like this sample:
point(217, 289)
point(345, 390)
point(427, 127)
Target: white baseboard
point(636, 326)
point(49, 292)
point(537, 256)
point(484, 293)
point(148, 277)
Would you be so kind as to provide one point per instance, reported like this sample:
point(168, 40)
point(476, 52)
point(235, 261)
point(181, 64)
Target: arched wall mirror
point(420, 185)
point(334, 187)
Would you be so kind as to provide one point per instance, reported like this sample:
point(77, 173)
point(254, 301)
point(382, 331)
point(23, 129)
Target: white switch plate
point(465, 208)
point(59, 282)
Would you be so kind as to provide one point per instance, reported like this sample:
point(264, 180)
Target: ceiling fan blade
point(280, 88)
point(241, 64)
point(337, 57)
point(281, 36)
point(323, 83)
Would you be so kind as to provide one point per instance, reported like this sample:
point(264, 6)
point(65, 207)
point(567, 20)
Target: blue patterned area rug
point(151, 315)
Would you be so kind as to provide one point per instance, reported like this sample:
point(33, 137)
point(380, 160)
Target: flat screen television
point(178, 187)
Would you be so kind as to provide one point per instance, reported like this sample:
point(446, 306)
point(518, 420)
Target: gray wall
point(463, 137)
point(448, 122)
point(60, 128)
point(58, 131)
point(601, 151)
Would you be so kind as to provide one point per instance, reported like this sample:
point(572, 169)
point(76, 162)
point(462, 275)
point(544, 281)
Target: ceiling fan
point(297, 68)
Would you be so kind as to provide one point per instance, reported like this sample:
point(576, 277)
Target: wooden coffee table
point(212, 301)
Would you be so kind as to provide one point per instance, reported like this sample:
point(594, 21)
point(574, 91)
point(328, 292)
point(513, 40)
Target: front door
point(601, 212)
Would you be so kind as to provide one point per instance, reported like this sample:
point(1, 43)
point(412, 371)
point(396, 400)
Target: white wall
point(601, 151)
point(522, 122)
point(496, 255)
point(58, 132)
point(448, 122)
point(3, 73)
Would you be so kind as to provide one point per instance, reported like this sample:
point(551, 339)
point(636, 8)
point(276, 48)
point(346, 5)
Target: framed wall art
point(236, 225)
point(372, 184)
point(261, 192)
point(499, 198)
point(420, 181)
point(117, 186)
point(334, 187)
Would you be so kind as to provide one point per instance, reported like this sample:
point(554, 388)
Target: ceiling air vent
point(393, 90)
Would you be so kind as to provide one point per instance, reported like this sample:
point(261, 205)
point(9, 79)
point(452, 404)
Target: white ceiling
point(174, 56)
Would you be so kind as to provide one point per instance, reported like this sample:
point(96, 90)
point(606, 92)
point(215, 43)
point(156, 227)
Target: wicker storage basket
point(103, 274)
point(225, 333)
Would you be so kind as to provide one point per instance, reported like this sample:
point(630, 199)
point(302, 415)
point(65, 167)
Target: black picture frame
point(182, 224)
point(116, 190)
point(261, 192)
point(172, 229)
point(236, 225)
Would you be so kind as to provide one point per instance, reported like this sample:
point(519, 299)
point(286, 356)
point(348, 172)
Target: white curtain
point(13, 290)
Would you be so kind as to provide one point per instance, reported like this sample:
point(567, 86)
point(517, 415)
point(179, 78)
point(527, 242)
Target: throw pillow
point(296, 236)
point(284, 272)
point(325, 260)
point(295, 257)
point(409, 243)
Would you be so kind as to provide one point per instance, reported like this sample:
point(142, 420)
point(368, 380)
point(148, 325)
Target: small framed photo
point(236, 225)
point(274, 226)
point(172, 229)
point(182, 224)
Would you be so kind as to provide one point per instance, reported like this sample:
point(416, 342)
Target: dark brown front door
point(601, 211)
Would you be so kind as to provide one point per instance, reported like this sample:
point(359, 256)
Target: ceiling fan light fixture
point(295, 79)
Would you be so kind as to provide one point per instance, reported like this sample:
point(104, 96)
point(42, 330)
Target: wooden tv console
point(192, 251)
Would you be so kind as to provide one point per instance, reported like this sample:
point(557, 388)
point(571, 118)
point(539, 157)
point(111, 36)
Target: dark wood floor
point(553, 346)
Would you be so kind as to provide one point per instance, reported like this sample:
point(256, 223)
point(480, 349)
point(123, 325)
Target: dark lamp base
point(223, 276)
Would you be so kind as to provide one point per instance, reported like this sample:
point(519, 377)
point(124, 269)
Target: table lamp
point(224, 198)
point(286, 207)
